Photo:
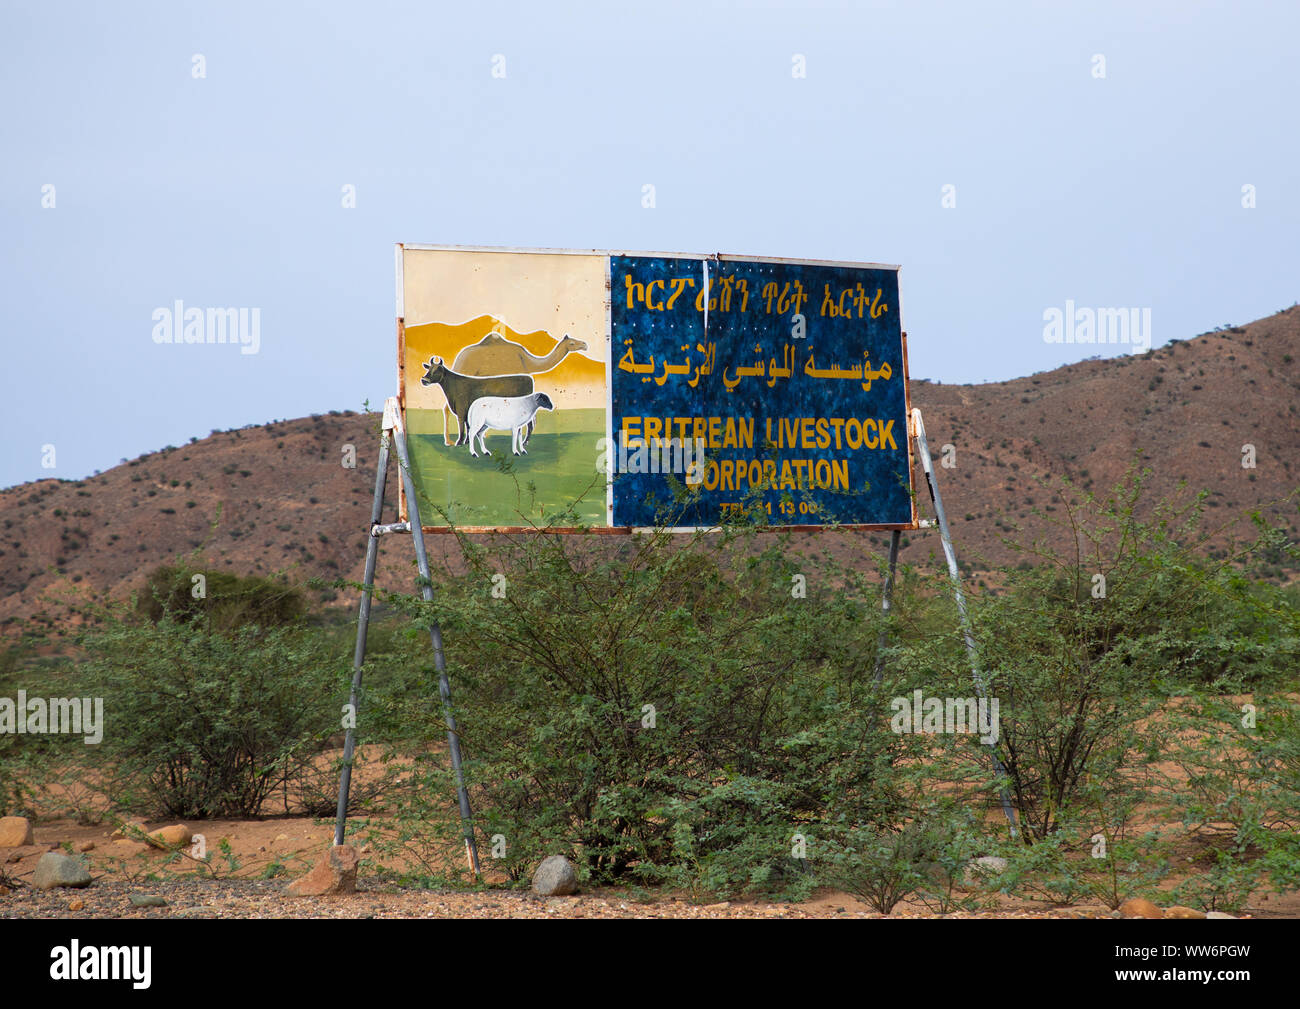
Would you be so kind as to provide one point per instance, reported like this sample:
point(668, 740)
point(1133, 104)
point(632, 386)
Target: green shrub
point(667, 710)
point(1083, 648)
point(223, 600)
point(1239, 794)
point(884, 866)
point(201, 725)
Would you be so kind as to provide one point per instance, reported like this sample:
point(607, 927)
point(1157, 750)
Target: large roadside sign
point(616, 390)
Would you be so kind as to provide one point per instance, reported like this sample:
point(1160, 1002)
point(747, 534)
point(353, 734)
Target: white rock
point(982, 869)
point(555, 876)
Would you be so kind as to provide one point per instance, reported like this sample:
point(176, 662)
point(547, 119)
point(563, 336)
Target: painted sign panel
point(790, 380)
point(617, 390)
point(524, 336)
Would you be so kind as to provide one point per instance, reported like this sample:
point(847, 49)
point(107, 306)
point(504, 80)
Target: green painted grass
point(588, 421)
point(505, 489)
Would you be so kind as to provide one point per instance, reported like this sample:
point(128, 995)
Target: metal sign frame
point(399, 261)
point(394, 432)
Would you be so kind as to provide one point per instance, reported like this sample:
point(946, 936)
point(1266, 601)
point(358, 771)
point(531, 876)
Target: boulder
point(59, 870)
point(15, 832)
point(555, 877)
point(1139, 908)
point(146, 900)
point(981, 869)
point(1220, 914)
point(335, 873)
point(171, 837)
point(1178, 911)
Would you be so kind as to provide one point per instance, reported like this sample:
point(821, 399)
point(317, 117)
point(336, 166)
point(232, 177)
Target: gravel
point(207, 898)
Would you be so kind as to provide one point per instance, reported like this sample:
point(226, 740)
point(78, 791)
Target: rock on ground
point(1179, 911)
point(1139, 908)
point(555, 876)
point(171, 837)
point(59, 870)
point(335, 873)
point(15, 832)
point(18, 854)
point(192, 897)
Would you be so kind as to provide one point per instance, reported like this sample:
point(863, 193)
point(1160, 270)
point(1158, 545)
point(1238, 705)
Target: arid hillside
point(1191, 408)
point(277, 498)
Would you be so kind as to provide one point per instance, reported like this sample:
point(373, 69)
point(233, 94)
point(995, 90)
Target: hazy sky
point(1119, 191)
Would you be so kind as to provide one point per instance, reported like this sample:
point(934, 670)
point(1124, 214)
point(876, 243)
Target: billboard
point(611, 390)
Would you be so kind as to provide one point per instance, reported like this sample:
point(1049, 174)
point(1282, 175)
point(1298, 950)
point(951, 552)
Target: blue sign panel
point(772, 385)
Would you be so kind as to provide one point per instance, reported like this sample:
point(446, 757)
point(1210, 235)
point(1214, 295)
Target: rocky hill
point(277, 498)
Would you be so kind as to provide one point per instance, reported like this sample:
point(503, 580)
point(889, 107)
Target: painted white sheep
point(504, 413)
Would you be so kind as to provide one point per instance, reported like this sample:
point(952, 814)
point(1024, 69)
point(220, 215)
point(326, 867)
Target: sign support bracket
point(395, 435)
point(941, 520)
point(885, 604)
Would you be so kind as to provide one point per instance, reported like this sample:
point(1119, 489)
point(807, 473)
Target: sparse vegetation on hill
point(223, 600)
point(278, 497)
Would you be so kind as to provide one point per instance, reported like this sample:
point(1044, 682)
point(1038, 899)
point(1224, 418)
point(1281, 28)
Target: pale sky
point(1122, 190)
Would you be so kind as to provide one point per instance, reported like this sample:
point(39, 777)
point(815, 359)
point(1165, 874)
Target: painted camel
point(495, 355)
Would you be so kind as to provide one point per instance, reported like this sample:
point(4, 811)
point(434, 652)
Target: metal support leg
point(885, 604)
point(363, 624)
point(927, 464)
point(439, 661)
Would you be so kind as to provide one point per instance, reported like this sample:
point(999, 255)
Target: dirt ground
point(285, 847)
